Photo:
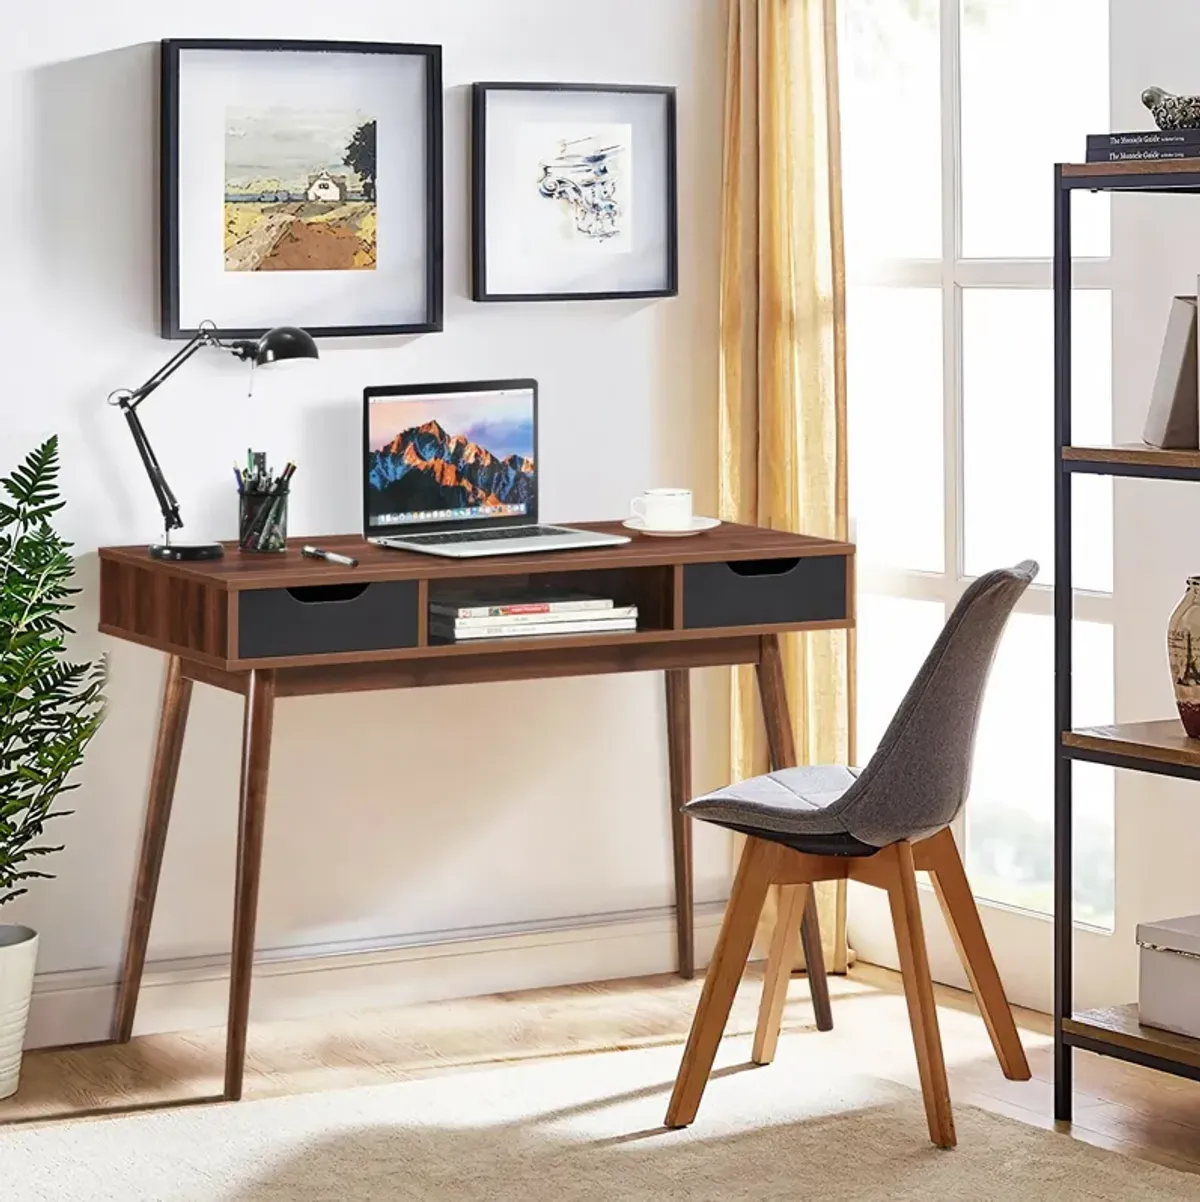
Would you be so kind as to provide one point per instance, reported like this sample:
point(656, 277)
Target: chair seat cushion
point(783, 806)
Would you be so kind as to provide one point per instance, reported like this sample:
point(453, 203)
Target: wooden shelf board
point(1148, 167)
point(1160, 742)
point(1119, 1027)
point(1134, 455)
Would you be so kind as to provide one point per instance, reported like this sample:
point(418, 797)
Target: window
point(947, 179)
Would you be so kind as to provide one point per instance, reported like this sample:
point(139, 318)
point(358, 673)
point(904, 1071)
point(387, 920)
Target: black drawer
point(753, 592)
point(323, 618)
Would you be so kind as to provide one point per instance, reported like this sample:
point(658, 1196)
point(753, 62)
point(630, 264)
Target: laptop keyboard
point(483, 536)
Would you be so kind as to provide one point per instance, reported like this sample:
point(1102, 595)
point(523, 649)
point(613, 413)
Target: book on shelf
point(1144, 154)
point(475, 603)
point(456, 633)
point(554, 617)
point(1173, 420)
point(1147, 137)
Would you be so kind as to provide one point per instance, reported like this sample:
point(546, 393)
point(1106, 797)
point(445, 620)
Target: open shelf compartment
point(651, 589)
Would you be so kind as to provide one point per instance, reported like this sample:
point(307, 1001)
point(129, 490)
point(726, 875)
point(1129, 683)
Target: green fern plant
point(50, 707)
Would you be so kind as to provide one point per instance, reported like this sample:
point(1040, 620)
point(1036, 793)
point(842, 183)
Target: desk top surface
point(238, 570)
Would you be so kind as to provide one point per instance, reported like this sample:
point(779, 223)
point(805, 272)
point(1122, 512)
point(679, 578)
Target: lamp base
point(185, 552)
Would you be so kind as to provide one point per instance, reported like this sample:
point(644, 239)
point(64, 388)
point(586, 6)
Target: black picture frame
point(169, 257)
point(479, 284)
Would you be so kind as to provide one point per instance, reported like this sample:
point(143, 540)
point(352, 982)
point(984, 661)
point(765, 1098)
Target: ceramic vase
point(18, 955)
point(1183, 653)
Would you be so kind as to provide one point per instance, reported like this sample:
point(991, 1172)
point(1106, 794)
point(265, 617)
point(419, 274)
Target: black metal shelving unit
point(1157, 747)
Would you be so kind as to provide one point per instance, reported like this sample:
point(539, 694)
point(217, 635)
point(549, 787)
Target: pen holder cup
point(262, 521)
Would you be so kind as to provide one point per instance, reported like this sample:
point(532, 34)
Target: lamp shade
point(284, 342)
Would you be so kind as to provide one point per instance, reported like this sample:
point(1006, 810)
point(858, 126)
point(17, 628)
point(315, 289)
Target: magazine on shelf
point(500, 630)
point(555, 617)
point(477, 603)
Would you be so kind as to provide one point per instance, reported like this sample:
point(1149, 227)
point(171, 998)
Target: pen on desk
point(331, 556)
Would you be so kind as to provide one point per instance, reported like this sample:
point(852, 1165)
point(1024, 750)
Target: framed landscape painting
point(301, 184)
point(574, 191)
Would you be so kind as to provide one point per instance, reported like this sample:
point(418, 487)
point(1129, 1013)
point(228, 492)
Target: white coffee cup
point(664, 508)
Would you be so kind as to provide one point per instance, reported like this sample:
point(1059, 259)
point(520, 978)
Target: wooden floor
point(1118, 1106)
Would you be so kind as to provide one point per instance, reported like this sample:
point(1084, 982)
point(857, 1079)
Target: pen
point(280, 486)
point(331, 556)
point(266, 515)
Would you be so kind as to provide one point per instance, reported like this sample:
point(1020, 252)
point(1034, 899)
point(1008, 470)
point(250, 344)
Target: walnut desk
point(269, 626)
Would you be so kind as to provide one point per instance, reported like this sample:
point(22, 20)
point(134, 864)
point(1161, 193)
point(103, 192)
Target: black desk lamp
point(275, 346)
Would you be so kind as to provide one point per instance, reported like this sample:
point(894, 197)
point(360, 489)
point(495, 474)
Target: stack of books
point(1149, 146)
point(457, 617)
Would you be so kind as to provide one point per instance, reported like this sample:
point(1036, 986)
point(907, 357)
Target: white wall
point(391, 816)
point(1156, 254)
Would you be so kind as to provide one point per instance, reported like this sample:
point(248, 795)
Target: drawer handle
point(320, 594)
point(762, 567)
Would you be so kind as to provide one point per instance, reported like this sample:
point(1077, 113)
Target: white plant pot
point(18, 955)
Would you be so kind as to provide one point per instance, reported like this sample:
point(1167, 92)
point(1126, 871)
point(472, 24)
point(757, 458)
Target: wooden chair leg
point(252, 813)
point(918, 990)
point(721, 981)
point(840, 964)
point(814, 964)
point(953, 890)
point(781, 957)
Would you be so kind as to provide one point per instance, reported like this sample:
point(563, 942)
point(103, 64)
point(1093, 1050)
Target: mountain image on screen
point(424, 468)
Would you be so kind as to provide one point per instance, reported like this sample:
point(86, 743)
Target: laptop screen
point(450, 453)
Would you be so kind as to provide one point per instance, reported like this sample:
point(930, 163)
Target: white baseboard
point(77, 1006)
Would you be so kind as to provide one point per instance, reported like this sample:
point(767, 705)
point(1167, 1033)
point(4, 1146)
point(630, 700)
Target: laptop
point(451, 469)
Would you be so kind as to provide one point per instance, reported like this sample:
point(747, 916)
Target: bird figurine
point(1172, 112)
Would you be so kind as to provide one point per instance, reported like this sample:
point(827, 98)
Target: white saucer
point(698, 526)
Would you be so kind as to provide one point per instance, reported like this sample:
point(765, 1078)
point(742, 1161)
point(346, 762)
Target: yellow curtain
point(783, 376)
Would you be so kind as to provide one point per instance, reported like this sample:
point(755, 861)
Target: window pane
point(1010, 815)
point(1008, 431)
point(894, 406)
point(894, 636)
point(1034, 84)
point(890, 68)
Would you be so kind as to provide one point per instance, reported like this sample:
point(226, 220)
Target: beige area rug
point(575, 1128)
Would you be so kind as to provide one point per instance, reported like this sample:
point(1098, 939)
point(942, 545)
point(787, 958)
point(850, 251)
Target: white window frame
point(952, 274)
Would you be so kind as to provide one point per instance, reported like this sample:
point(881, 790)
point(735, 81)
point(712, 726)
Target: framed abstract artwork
point(574, 191)
point(301, 183)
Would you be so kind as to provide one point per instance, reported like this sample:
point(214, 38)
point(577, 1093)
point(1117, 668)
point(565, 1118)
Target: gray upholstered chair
point(878, 825)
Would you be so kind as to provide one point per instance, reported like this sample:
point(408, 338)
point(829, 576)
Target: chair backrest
point(917, 780)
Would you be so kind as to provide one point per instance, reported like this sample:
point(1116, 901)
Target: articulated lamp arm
point(283, 342)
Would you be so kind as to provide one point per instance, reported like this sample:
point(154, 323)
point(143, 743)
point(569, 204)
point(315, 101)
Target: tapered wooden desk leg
point(252, 812)
point(777, 719)
point(172, 722)
point(679, 756)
